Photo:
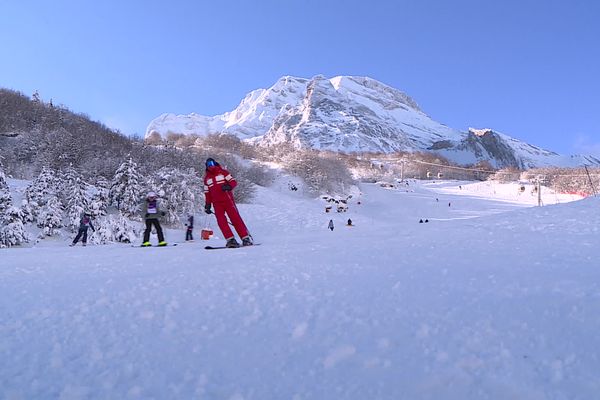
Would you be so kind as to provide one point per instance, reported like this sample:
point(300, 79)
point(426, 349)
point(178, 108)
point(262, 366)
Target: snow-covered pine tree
point(74, 197)
point(100, 198)
point(178, 191)
point(44, 186)
point(12, 231)
point(26, 212)
point(5, 198)
point(66, 181)
point(114, 228)
point(50, 216)
point(191, 189)
point(125, 190)
point(104, 231)
point(123, 230)
point(78, 204)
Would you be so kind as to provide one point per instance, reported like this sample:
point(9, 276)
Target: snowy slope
point(490, 299)
point(355, 114)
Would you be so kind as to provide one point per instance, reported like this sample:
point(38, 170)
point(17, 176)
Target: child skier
point(151, 213)
point(190, 229)
point(218, 187)
point(84, 223)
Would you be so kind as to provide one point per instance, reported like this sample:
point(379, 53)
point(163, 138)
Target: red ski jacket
point(214, 179)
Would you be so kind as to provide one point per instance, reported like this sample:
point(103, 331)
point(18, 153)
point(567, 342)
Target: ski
point(168, 245)
point(225, 247)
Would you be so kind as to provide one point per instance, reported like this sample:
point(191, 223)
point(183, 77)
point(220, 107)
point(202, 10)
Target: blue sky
point(527, 68)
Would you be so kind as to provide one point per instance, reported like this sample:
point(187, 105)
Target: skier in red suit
point(218, 187)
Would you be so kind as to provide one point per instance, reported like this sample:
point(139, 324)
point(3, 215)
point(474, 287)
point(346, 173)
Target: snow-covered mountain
point(356, 114)
point(502, 150)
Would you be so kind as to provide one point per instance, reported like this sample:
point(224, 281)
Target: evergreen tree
point(125, 190)
point(5, 199)
point(26, 212)
point(100, 198)
point(66, 181)
point(104, 231)
point(50, 216)
point(77, 204)
point(74, 197)
point(12, 231)
point(114, 228)
point(123, 230)
point(43, 187)
point(176, 191)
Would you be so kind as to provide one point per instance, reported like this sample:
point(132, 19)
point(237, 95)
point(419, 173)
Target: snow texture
point(491, 299)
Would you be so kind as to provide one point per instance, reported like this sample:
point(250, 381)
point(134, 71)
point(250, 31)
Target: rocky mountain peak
point(354, 114)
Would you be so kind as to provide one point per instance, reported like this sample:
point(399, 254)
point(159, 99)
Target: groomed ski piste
point(493, 298)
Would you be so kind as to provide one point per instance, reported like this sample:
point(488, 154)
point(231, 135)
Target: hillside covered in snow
point(489, 299)
point(356, 114)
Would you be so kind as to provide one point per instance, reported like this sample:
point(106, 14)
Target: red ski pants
point(230, 209)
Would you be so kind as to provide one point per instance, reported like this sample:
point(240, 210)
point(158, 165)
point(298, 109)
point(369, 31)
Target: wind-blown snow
point(490, 299)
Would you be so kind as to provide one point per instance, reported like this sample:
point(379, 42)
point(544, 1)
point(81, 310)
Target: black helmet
point(210, 162)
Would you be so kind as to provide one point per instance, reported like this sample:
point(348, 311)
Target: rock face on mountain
point(503, 151)
point(355, 114)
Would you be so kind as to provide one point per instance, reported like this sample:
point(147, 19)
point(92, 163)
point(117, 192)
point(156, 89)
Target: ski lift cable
point(452, 167)
point(461, 168)
point(494, 172)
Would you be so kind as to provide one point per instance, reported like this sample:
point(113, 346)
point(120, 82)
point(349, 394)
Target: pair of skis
point(205, 247)
point(166, 245)
point(225, 247)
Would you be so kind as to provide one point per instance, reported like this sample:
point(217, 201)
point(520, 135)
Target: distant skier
point(218, 187)
point(330, 226)
point(349, 222)
point(151, 214)
point(190, 229)
point(84, 223)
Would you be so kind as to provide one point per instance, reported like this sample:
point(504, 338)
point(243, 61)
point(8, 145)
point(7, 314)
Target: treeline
point(55, 201)
point(330, 172)
point(36, 135)
point(321, 171)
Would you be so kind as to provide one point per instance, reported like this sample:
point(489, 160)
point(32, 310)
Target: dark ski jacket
point(151, 210)
point(190, 223)
point(85, 222)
